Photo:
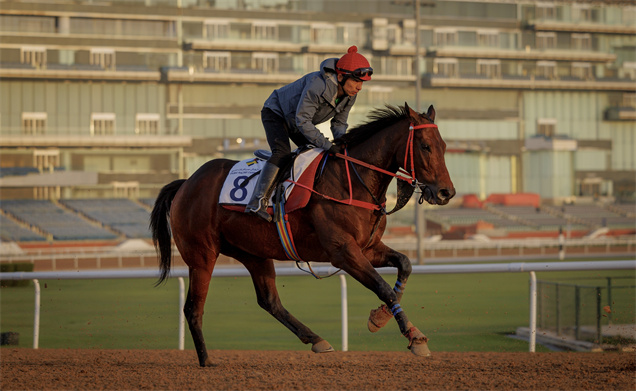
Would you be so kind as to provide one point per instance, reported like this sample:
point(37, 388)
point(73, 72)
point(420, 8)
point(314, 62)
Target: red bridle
point(410, 177)
point(405, 176)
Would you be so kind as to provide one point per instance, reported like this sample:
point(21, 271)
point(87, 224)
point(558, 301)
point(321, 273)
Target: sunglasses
point(358, 73)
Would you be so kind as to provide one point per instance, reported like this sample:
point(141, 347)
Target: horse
point(394, 139)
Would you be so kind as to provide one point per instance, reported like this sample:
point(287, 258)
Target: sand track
point(72, 369)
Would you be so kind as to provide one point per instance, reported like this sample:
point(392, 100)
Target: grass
point(458, 312)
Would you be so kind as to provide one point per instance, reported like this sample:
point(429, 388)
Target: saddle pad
point(235, 197)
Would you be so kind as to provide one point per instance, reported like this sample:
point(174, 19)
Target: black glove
point(334, 149)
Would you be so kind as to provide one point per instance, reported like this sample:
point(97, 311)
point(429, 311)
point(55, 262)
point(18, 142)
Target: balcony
point(528, 83)
point(581, 27)
point(514, 54)
point(77, 72)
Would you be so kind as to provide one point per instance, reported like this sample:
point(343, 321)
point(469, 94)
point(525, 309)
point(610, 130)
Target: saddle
point(241, 180)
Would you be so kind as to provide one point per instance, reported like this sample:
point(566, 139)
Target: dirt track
point(59, 369)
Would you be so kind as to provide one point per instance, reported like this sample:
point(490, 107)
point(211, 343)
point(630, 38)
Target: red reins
point(409, 153)
point(412, 180)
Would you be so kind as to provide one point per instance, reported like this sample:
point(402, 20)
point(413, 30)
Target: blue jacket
point(311, 100)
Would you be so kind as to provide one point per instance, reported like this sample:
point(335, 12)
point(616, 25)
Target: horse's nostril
point(445, 194)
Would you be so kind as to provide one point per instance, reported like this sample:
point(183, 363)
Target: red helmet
point(354, 64)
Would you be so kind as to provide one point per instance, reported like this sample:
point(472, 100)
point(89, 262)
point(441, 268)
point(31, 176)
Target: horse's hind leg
point(264, 279)
point(384, 256)
point(193, 309)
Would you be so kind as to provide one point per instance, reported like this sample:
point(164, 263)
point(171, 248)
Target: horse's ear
point(412, 113)
point(431, 113)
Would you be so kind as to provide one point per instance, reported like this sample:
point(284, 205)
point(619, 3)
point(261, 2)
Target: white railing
point(444, 250)
point(180, 273)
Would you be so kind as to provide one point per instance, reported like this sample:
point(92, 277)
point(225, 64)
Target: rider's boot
point(260, 197)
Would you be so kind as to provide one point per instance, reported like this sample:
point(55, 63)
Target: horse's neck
point(380, 150)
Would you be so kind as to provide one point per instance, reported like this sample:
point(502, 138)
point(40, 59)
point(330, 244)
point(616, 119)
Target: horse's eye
point(425, 147)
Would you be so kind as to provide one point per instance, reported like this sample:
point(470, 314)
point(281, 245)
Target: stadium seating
point(50, 218)
point(10, 231)
point(122, 215)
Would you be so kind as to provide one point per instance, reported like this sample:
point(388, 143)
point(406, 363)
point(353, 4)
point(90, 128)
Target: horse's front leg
point(352, 260)
point(383, 256)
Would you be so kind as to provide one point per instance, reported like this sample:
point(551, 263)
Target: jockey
point(293, 111)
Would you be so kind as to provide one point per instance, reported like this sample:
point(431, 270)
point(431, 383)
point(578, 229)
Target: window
point(266, 62)
point(128, 189)
point(629, 69)
point(488, 38)
point(216, 29)
point(582, 41)
point(547, 69)
point(408, 31)
point(36, 56)
point(629, 15)
point(46, 159)
point(546, 127)
point(102, 124)
point(394, 65)
point(33, 123)
point(350, 33)
point(546, 11)
point(378, 95)
point(265, 31)
point(489, 68)
point(311, 62)
point(584, 12)
point(445, 66)
point(217, 61)
point(629, 100)
point(47, 193)
point(445, 37)
point(323, 33)
point(582, 70)
point(546, 40)
point(147, 123)
point(103, 57)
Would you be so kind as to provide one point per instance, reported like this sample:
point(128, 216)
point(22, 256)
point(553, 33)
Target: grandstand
point(498, 217)
point(120, 214)
point(54, 221)
point(11, 231)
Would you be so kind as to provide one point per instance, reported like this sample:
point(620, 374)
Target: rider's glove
point(334, 149)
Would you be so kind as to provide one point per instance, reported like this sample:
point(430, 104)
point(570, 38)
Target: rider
point(293, 111)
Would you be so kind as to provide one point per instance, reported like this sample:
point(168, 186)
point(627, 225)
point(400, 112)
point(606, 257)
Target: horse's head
point(428, 158)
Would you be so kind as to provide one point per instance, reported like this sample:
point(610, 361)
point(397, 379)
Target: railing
point(180, 273)
point(435, 252)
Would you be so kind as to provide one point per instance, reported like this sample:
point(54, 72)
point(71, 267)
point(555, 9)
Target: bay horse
point(346, 236)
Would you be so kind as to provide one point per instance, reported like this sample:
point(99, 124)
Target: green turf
point(458, 312)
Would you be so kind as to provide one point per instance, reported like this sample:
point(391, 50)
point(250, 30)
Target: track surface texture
point(62, 369)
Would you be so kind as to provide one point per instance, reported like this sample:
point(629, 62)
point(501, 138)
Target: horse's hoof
point(418, 343)
point(378, 318)
point(322, 347)
point(208, 363)
point(420, 349)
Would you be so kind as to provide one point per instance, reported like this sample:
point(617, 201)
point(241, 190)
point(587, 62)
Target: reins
point(409, 153)
point(402, 174)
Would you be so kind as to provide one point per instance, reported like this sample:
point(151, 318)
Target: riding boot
point(260, 197)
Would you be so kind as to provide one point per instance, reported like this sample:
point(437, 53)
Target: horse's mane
point(379, 119)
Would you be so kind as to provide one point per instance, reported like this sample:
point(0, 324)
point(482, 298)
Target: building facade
point(117, 98)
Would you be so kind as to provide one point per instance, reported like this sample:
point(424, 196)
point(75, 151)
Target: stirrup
point(261, 211)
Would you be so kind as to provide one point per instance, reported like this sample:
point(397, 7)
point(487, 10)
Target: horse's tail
point(160, 227)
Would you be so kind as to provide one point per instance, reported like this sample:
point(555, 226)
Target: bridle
point(408, 155)
point(402, 174)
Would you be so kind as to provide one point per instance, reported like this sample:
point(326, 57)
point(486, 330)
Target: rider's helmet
point(353, 64)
